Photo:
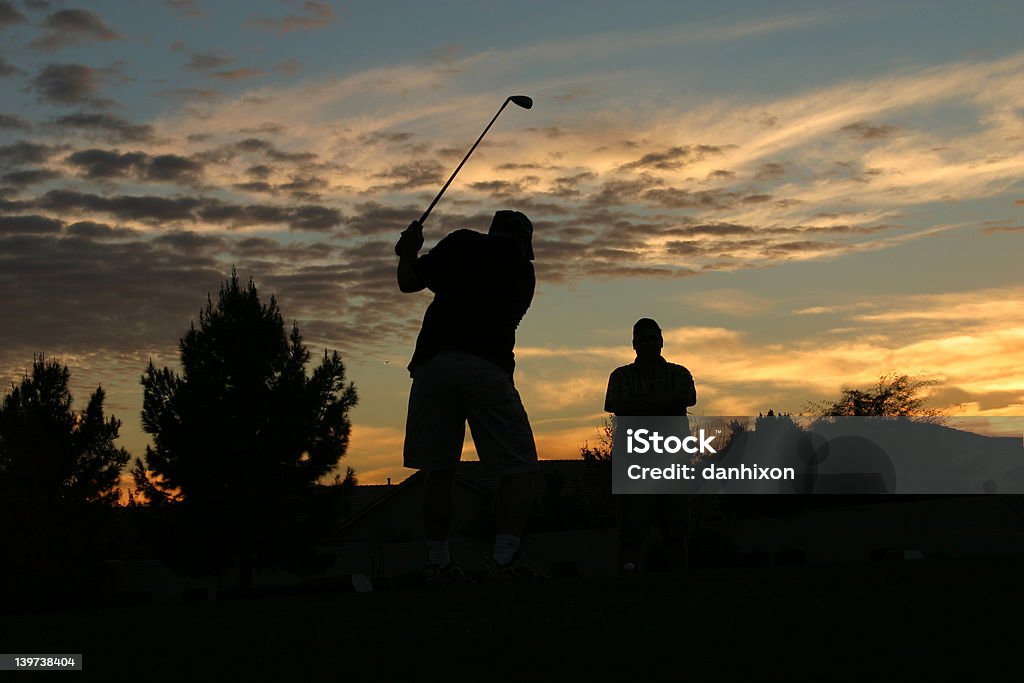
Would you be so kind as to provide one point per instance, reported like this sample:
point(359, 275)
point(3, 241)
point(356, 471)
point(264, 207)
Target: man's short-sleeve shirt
point(482, 287)
point(638, 380)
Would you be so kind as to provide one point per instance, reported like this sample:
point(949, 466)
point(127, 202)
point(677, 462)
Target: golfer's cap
point(646, 324)
point(514, 223)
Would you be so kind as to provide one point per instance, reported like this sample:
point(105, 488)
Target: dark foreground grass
point(922, 620)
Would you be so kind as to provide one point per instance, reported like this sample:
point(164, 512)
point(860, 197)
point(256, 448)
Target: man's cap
point(514, 223)
point(648, 323)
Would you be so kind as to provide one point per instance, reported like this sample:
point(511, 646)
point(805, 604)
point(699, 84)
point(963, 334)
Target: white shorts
point(452, 388)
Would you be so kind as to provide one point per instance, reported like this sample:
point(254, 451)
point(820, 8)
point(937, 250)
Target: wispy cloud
point(107, 126)
point(189, 8)
point(312, 15)
point(826, 170)
point(9, 14)
point(69, 85)
point(7, 69)
point(73, 27)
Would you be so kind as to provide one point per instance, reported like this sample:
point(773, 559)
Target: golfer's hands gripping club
point(411, 241)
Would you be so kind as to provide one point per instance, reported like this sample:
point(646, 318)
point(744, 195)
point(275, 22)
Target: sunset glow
point(805, 197)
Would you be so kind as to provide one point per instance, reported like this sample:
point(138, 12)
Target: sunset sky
point(806, 196)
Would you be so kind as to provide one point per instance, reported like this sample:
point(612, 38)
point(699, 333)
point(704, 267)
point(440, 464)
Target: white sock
point(505, 547)
point(438, 553)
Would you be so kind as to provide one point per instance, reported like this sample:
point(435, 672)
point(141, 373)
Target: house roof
point(472, 473)
point(361, 497)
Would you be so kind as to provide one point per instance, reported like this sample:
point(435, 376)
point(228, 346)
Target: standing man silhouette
point(462, 371)
point(650, 385)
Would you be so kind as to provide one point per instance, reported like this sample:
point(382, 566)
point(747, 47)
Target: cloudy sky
point(805, 196)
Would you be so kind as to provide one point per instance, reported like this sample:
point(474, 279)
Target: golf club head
point(522, 100)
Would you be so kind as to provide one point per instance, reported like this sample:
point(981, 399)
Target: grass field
point(922, 620)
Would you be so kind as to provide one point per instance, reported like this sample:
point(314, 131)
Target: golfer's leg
point(504, 442)
point(437, 504)
point(674, 525)
point(434, 432)
point(633, 527)
point(512, 503)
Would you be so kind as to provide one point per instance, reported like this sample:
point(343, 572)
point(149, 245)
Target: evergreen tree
point(58, 470)
point(242, 435)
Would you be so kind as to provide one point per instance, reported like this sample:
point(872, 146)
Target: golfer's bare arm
point(408, 249)
point(408, 280)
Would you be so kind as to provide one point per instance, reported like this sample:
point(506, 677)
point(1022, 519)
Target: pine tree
point(242, 435)
point(59, 469)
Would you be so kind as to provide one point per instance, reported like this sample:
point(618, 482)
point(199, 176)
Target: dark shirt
point(638, 380)
point(482, 286)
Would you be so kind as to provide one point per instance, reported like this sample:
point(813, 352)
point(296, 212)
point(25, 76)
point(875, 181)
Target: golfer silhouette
point(462, 370)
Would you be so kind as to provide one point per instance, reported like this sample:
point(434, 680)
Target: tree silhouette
point(242, 435)
point(58, 470)
point(596, 498)
point(894, 395)
point(602, 450)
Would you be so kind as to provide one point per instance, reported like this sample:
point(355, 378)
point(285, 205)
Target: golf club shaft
point(426, 213)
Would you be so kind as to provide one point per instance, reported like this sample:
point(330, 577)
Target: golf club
point(520, 100)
